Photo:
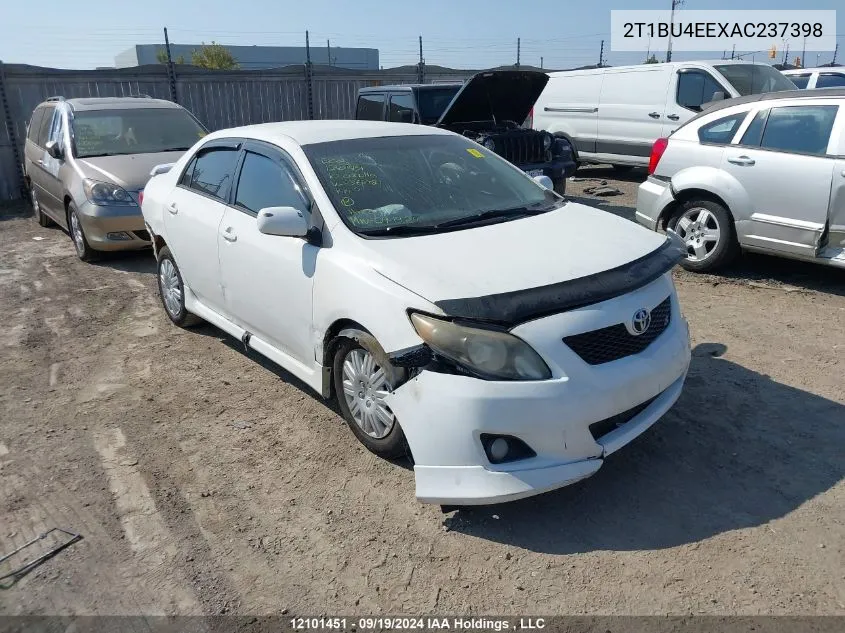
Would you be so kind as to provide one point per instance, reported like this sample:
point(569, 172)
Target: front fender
point(716, 182)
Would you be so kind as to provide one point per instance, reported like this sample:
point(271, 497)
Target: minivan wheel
point(172, 290)
point(708, 233)
point(42, 218)
point(77, 234)
point(361, 383)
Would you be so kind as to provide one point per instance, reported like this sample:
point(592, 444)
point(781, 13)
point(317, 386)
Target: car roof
point(310, 132)
point(114, 103)
point(815, 93)
point(821, 69)
point(397, 88)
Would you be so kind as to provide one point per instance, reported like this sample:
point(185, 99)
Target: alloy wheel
point(76, 233)
point(700, 230)
point(171, 289)
point(364, 389)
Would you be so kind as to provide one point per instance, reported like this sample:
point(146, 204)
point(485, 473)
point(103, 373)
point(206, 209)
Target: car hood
point(500, 95)
point(570, 243)
point(130, 171)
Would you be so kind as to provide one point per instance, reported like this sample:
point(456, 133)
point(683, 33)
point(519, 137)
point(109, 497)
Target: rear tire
point(42, 218)
point(171, 290)
point(362, 376)
point(708, 231)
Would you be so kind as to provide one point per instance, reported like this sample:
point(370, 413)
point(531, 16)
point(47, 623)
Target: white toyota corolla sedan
point(507, 338)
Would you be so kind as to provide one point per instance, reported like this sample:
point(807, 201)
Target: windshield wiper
point(402, 229)
point(495, 213)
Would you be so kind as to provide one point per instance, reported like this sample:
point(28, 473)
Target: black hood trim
point(512, 308)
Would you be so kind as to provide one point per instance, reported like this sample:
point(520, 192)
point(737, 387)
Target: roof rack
point(140, 96)
point(56, 98)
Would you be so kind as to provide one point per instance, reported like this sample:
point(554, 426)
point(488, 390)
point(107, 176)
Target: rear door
point(689, 89)
point(38, 174)
point(783, 163)
point(632, 112)
point(193, 213)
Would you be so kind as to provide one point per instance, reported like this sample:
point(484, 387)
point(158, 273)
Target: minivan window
point(134, 131)
point(266, 183)
point(697, 87)
point(804, 129)
point(57, 130)
point(212, 172)
point(35, 124)
point(800, 81)
point(830, 80)
point(370, 107)
point(46, 124)
point(420, 183)
point(401, 108)
point(753, 79)
point(432, 102)
point(721, 131)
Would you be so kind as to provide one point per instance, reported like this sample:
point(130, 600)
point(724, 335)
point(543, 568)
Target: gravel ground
point(205, 480)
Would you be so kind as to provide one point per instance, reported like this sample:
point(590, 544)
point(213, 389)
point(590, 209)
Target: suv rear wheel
point(708, 232)
point(42, 218)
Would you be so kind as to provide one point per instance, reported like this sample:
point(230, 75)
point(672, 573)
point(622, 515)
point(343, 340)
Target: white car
point(509, 338)
point(825, 77)
point(764, 173)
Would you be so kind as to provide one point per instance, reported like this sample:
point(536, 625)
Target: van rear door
point(569, 105)
point(631, 112)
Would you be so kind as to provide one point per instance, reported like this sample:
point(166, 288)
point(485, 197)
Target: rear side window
point(695, 88)
point(213, 170)
point(265, 182)
point(830, 80)
point(799, 80)
point(44, 127)
point(721, 131)
point(801, 129)
point(401, 109)
point(754, 133)
point(370, 107)
point(35, 124)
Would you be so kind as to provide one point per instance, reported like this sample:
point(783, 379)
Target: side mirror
point(162, 168)
point(544, 181)
point(719, 95)
point(284, 221)
point(53, 149)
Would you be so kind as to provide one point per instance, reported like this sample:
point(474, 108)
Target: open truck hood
point(496, 95)
point(576, 253)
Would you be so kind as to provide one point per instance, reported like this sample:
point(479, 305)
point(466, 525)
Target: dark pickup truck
point(489, 108)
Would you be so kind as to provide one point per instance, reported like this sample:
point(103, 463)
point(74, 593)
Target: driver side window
point(265, 182)
point(696, 88)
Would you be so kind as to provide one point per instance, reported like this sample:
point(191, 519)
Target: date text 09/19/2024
point(415, 623)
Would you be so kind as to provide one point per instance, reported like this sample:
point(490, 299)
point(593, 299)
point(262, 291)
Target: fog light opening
point(119, 236)
point(505, 448)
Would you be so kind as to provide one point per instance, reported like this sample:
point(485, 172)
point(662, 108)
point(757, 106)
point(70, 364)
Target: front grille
point(601, 428)
point(143, 234)
point(615, 342)
point(522, 149)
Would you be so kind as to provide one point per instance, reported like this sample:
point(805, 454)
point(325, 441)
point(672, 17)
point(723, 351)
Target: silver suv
point(762, 173)
point(87, 160)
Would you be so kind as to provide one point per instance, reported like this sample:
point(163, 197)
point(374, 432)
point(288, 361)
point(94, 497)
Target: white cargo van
point(614, 115)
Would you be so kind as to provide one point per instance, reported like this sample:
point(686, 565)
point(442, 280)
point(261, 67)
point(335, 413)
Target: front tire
point(362, 378)
point(708, 232)
point(77, 234)
point(171, 289)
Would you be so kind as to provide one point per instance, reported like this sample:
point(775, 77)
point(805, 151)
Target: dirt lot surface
point(204, 480)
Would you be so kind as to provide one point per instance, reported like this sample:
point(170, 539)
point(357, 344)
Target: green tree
point(652, 60)
point(213, 55)
point(161, 57)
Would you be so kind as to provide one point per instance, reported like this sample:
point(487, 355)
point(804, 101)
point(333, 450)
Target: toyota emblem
point(640, 322)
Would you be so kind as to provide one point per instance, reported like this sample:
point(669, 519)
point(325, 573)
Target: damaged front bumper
point(556, 169)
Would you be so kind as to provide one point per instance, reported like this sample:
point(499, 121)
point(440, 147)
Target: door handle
point(228, 235)
point(673, 117)
point(41, 162)
point(745, 161)
point(654, 115)
point(173, 208)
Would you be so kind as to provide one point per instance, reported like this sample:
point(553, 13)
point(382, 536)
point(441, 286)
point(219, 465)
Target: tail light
point(529, 121)
point(656, 153)
point(141, 197)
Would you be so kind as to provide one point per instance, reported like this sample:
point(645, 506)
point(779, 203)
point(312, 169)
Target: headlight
point(487, 353)
point(103, 193)
point(547, 141)
point(490, 144)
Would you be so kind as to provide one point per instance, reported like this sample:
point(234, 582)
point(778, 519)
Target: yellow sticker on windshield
point(202, 134)
point(475, 152)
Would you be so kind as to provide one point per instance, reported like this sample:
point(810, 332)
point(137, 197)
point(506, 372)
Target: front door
point(268, 279)
point(836, 226)
point(193, 213)
point(782, 163)
point(688, 91)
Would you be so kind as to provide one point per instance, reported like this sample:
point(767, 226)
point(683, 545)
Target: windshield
point(432, 102)
point(134, 131)
point(754, 79)
point(422, 184)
